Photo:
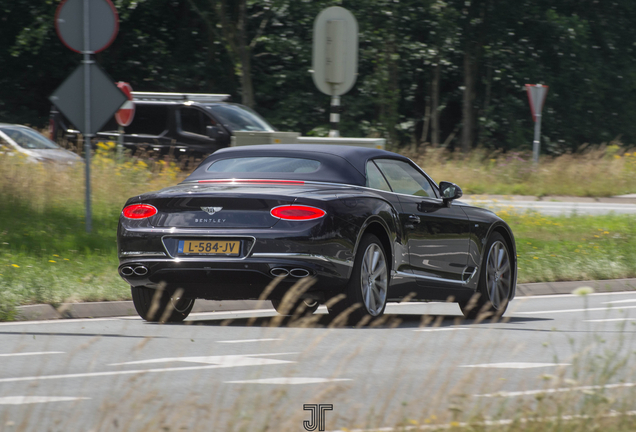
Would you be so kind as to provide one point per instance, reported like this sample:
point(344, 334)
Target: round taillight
point(139, 211)
point(297, 212)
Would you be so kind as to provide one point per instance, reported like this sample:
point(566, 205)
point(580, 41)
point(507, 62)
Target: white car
point(17, 139)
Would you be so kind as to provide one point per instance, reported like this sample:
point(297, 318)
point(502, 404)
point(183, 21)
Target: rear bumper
point(238, 279)
point(304, 252)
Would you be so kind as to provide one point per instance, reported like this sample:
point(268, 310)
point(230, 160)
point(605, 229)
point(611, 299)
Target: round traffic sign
point(126, 113)
point(102, 25)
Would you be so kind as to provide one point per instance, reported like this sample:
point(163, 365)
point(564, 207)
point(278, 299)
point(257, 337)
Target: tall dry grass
point(599, 171)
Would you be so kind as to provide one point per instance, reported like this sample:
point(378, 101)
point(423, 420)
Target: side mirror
point(212, 131)
point(449, 191)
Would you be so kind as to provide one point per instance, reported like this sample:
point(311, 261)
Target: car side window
point(192, 121)
point(149, 120)
point(375, 179)
point(405, 179)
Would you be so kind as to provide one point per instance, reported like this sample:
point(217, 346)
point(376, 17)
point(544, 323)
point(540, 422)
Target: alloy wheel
point(374, 277)
point(498, 275)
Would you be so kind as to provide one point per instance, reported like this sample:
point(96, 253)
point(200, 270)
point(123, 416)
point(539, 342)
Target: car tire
point(366, 292)
point(495, 282)
point(143, 298)
point(307, 307)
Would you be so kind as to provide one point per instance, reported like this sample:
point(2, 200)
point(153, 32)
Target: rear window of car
point(265, 165)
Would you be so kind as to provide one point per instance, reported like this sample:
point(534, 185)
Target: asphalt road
point(563, 206)
point(232, 371)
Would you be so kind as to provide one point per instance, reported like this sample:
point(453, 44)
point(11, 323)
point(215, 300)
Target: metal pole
point(120, 143)
point(334, 116)
point(87, 61)
point(536, 144)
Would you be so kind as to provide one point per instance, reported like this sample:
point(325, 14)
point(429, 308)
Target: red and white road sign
point(536, 96)
point(126, 113)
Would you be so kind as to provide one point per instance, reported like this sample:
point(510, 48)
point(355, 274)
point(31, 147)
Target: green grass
point(574, 247)
point(46, 255)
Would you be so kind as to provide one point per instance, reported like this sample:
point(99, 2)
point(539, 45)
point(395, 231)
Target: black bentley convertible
point(364, 226)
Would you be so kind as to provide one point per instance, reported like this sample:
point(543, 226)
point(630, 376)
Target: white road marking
point(63, 321)
point(556, 390)
point(21, 400)
point(225, 360)
point(583, 283)
point(249, 340)
point(234, 314)
point(222, 364)
point(621, 301)
point(31, 353)
point(289, 381)
point(609, 308)
point(502, 422)
point(515, 365)
point(611, 320)
point(435, 329)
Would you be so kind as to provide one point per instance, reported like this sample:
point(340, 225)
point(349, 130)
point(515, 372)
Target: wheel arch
point(378, 227)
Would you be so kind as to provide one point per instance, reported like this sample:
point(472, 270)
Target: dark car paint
point(328, 244)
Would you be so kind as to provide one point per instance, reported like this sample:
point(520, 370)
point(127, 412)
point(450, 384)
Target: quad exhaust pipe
point(137, 270)
point(282, 272)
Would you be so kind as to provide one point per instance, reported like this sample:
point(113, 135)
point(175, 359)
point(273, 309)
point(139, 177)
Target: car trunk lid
point(222, 205)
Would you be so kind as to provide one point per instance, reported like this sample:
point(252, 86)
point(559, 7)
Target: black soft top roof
point(339, 164)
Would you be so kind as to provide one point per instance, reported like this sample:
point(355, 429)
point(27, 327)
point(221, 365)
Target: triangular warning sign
point(536, 96)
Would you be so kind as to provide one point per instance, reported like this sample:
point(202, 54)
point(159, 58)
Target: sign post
point(335, 57)
point(88, 97)
point(125, 115)
point(536, 95)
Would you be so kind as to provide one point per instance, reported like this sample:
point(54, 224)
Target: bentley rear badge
point(211, 210)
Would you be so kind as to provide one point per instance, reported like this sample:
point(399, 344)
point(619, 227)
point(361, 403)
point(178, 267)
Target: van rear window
point(265, 165)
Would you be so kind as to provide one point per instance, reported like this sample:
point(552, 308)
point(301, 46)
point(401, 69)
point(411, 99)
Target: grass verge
point(594, 172)
point(46, 256)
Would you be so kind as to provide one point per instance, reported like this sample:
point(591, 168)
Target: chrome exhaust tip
point(299, 273)
point(279, 272)
point(140, 270)
point(126, 271)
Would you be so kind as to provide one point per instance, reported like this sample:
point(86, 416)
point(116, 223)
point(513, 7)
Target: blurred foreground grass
point(46, 256)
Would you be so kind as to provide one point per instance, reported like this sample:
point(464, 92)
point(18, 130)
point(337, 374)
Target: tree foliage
point(441, 71)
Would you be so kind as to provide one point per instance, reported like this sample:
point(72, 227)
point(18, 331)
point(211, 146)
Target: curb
point(126, 308)
point(123, 308)
point(599, 286)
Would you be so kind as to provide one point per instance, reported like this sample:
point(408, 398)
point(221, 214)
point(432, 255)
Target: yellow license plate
point(210, 247)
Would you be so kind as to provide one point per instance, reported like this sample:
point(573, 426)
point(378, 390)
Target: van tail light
point(297, 212)
point(52, 129)
point(139, 211)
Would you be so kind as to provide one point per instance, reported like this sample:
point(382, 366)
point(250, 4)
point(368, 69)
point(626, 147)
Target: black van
point(181, 124)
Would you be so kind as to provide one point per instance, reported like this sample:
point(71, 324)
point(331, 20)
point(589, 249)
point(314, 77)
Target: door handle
point(414, 219)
